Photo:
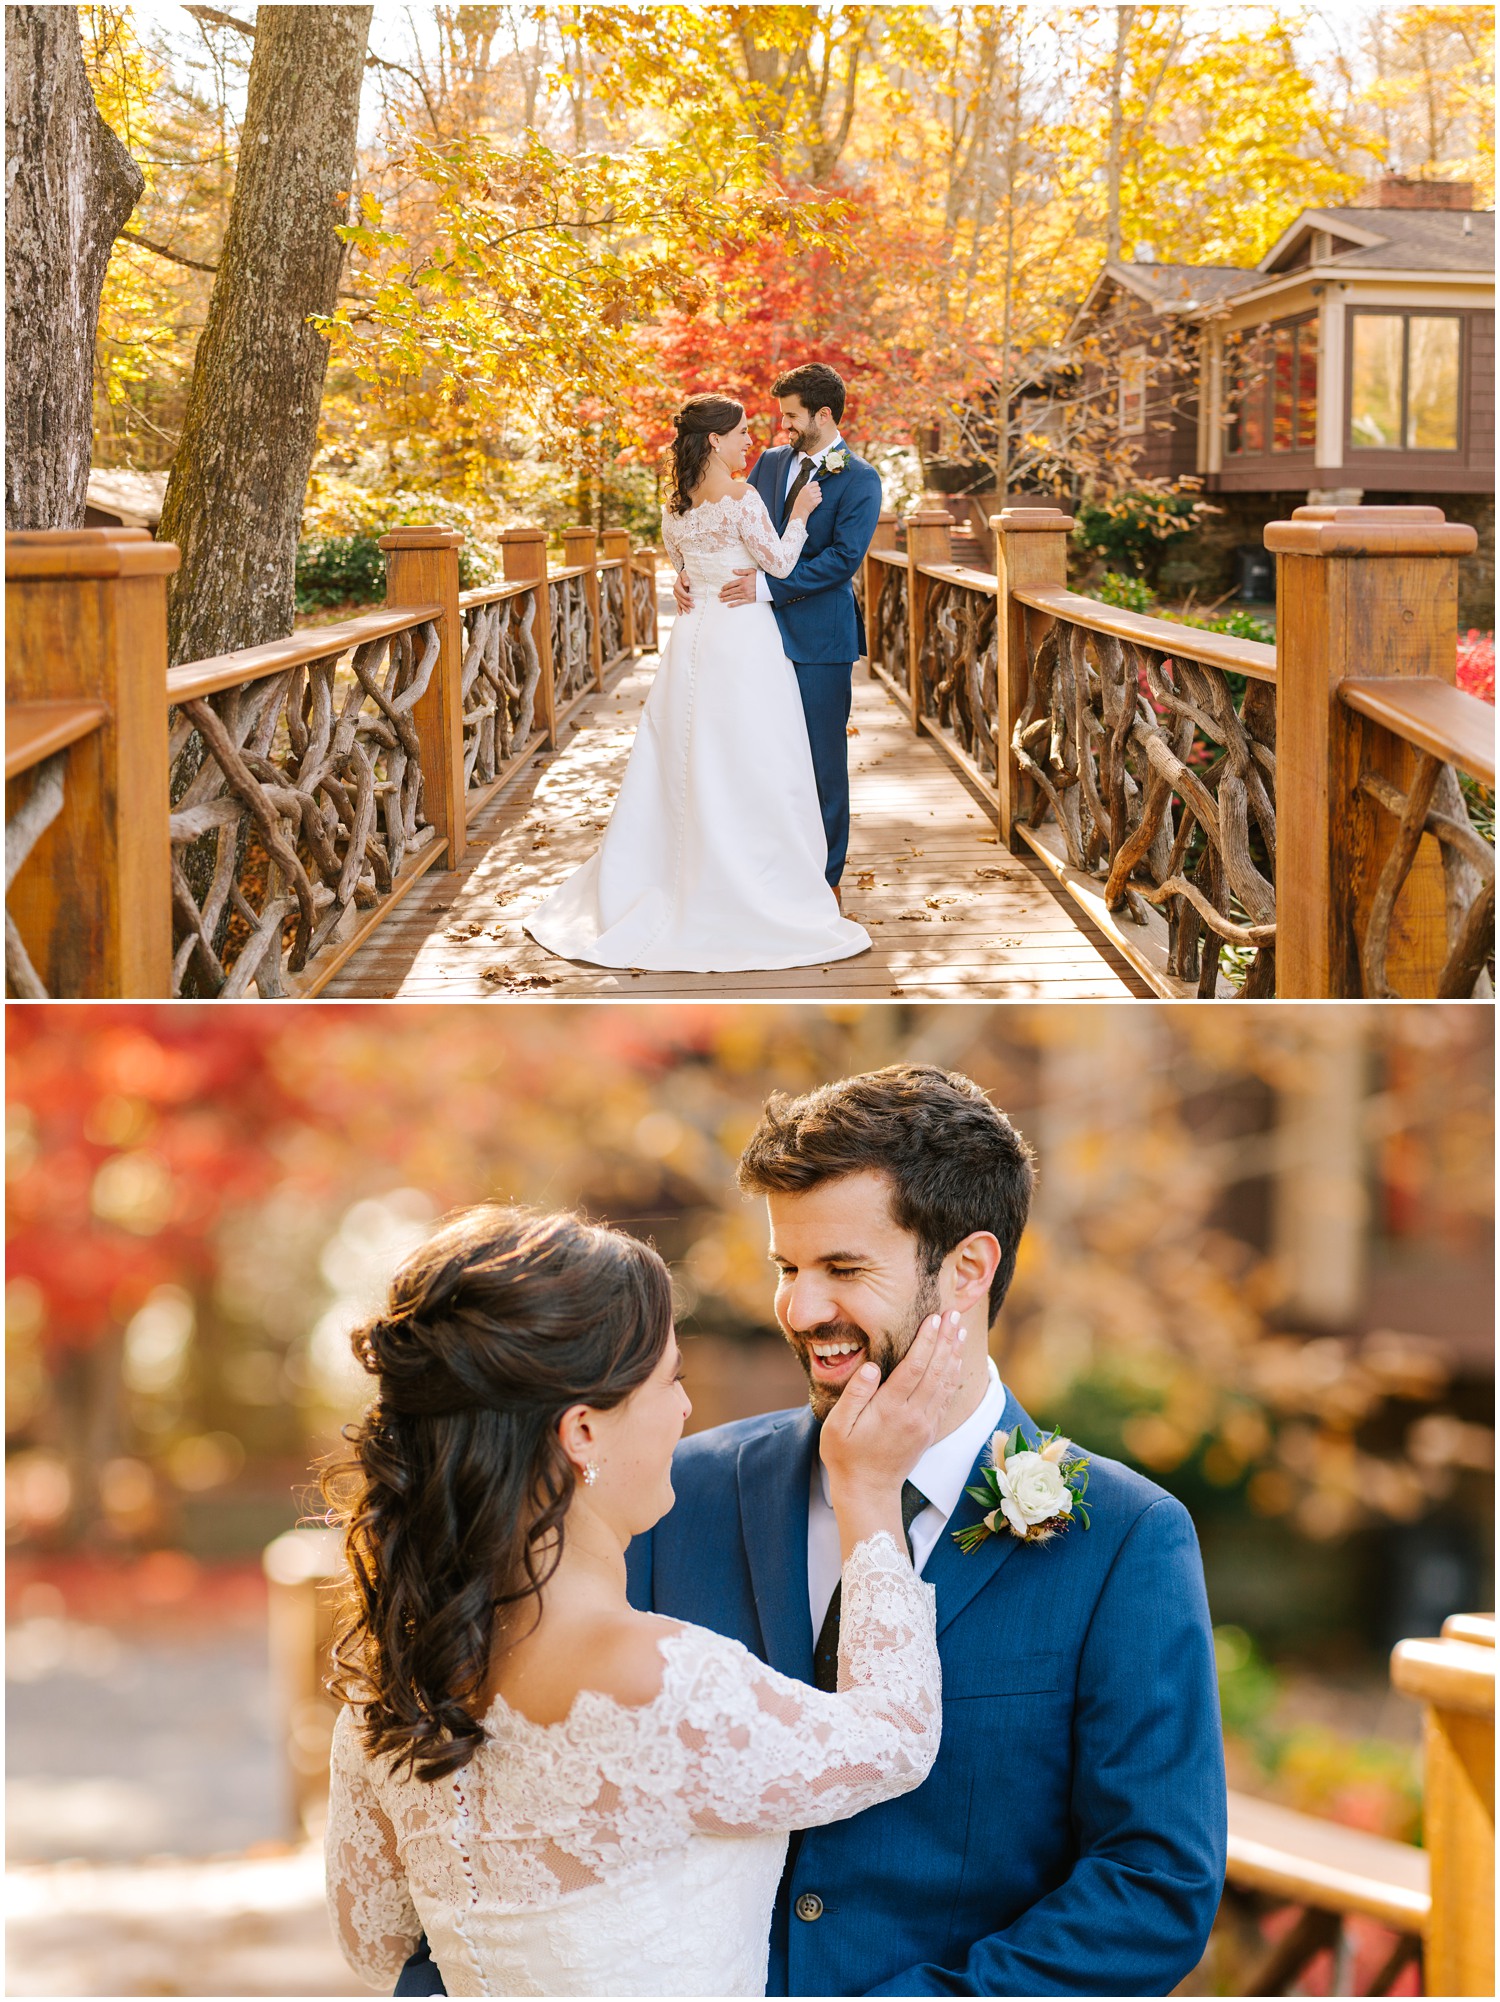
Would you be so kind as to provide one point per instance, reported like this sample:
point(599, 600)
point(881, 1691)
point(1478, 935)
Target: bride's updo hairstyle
point(454, 1495)
point(700, 418)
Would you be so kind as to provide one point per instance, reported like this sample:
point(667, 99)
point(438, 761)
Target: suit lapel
point(775, 1472)
point(956, 1576)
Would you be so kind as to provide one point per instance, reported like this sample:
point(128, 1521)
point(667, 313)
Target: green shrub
point(1130, 594)
point(1132, 530)
point(339, 570)
point(1238, 625)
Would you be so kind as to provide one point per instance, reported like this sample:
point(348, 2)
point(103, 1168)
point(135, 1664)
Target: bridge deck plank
point(1005, 934)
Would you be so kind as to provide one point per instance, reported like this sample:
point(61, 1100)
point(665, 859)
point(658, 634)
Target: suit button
point(809, 1906)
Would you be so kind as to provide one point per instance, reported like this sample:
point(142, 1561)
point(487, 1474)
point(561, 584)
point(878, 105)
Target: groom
point(1070, 1839)
point(815, 608)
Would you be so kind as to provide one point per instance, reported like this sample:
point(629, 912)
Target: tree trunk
point(69, 188)
point(1115, 168)
point(234, 501)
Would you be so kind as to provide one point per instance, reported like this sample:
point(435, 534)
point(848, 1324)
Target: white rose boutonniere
point(1033, 1491)
point(834, 461)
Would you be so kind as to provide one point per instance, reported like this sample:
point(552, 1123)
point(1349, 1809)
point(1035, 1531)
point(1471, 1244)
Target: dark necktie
point(804, 475)
point(826, 1653)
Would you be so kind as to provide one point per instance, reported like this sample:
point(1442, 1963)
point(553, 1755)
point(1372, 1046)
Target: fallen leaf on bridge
point(865, 880)
point(992, 873)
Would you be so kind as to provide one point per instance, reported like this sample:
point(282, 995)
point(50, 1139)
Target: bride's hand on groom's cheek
point(877, 1432)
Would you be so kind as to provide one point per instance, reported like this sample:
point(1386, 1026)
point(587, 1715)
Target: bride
point(570, 1797)
point(714, 859)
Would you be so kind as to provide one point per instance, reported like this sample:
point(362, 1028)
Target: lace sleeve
point(776, 557)
point(669, 538)
point(767, 1752)
point(373, 1916)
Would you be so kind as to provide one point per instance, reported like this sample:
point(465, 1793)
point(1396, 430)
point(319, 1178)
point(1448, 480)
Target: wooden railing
point(237, 826)
point(1138, 757)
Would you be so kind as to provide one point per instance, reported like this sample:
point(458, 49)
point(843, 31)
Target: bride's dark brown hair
point(699, 419)
point(454, 1494)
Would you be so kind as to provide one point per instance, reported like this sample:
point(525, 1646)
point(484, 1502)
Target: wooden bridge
point(1052, 797)
point(951, 915)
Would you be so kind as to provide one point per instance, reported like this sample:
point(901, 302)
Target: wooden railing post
point(303, 1568)
point(580, 545)
point(86, 620)
point(617, 549)
point(421, 568)
point(1454, 1679)
point(883, 538)
point(1031, 553)
point(1360, 591)
point(929, 539)
point(523, 555)
point(644, 560)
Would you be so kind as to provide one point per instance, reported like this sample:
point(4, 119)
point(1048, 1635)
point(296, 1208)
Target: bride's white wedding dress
point(636, 1851)
point(714, 859)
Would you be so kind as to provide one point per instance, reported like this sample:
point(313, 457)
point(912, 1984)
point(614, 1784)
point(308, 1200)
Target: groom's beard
point(882, 1348)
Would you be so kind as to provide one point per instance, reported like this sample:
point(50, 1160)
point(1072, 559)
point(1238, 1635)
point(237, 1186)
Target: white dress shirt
point(942, 1474)
point(794, 466)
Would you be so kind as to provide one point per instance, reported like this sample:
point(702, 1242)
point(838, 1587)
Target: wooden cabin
point(1354, 364)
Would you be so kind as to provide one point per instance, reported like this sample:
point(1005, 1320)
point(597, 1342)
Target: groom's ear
point(972, 1264)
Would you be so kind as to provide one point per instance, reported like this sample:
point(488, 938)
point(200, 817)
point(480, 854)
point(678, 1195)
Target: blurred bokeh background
point(1260, 1269)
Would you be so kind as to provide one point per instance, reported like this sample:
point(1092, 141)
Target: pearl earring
point(590, 1474)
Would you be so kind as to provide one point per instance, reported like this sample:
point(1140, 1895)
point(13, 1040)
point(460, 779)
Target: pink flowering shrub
point(1476, 664)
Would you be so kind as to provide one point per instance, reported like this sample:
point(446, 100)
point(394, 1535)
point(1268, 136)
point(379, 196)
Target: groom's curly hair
point(700, 418)
point(955, 1162)
point(453, 1496)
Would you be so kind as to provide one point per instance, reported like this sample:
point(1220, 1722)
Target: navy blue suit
point(1071, 1837)
point(819, 619)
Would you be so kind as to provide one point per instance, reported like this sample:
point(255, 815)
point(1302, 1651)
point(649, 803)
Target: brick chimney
point(1399, 191)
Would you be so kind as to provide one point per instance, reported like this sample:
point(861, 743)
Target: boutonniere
point(1033, 1491)
point(834, 461)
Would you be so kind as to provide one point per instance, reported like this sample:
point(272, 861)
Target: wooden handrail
point(196, 678)
point(491, 594)
point(1249, 657)
point(34, 730)
point(1452, 1674)
point(895, 557)
point(984, 581)
point(1433, 715)
point(1309, 1861)
point(1476, 1627)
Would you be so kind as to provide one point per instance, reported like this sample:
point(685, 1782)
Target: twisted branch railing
point(1161, 781)
point(1436, 723)
point(613, 643)
point(245, 835)
point(643, 601)
point(502, 680)
point(887, 623)
point(296, 797)
point(958, 668)
point(572, 640)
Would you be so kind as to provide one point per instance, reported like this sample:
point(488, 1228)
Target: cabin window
point(1271, 382)
point(1405, 374)
point(1133, 391)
